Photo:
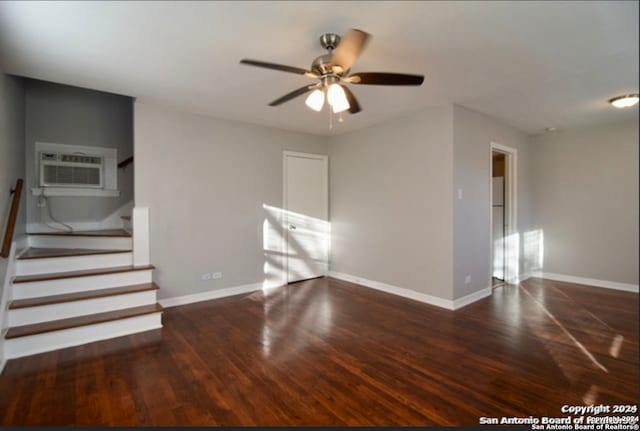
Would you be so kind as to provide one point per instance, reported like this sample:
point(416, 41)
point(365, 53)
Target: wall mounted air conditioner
point(74, 170)
point(71, 170)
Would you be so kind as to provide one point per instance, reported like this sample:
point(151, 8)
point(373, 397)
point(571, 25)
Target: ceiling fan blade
point(293, 94)
point(381, 78)
point(354, 106)
point(280, 67)
point(349, 49)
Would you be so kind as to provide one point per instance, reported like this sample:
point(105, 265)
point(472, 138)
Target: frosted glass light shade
point(624, 101)
point(337, 99)
point(315, 100)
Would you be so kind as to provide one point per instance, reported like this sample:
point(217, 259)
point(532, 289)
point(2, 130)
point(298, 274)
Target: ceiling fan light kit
point(626, 101)
point(337, 99)
point(315, 100)
point(333, 71)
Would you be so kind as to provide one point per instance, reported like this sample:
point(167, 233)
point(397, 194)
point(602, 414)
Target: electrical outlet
point(205, 277)
point(459, 193)
point(467, 279)
point(216, 275)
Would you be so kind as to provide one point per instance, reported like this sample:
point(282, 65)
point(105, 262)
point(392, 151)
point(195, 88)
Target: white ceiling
point(530, 64)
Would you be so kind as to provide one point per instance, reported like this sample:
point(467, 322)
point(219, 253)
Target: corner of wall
point(7, 270)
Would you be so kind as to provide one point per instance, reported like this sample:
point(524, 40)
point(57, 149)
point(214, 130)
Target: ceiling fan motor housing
point(322, 64)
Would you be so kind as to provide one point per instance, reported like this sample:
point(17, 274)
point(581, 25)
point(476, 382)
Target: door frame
point(285, 204)
point(511, 243)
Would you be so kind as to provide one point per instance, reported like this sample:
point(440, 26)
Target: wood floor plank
point(328, 352)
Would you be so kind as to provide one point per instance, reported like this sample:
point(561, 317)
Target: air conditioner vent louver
point(71, 170)
point(71, 175)
point(73, 158)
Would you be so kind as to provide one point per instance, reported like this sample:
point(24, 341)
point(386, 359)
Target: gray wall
point(205, 182)
point(11, 167)
point(394, 210)
point(472, 136)
point(76, 116)
point(391, 205)
point(12, 154)
point(585, 199)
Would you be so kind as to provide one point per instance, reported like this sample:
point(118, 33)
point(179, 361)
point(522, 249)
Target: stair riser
point(36, 289)
point(32, 344)
point(100, 243)
point(72, 263)
point(45, 313)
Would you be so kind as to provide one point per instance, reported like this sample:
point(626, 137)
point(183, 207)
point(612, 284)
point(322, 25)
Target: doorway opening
point(504, 234)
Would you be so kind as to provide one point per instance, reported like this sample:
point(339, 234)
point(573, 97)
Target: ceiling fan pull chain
point(330, 117)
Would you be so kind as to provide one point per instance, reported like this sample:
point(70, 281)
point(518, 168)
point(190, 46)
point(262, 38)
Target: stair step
point(43, 253)
point(78, 296)
point(92, 233)
point(127, 218)
point(83, 273)
point(74, 322)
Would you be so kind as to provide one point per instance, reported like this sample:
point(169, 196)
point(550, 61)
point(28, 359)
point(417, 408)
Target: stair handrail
point(126, 162)
point(13, 216)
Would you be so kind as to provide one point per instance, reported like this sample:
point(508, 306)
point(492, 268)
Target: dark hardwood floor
point(327, 352)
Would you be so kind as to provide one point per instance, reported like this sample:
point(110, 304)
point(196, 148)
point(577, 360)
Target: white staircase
point(76, 288)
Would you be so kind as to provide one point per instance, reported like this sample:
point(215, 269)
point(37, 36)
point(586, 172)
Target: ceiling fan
point(333, 72)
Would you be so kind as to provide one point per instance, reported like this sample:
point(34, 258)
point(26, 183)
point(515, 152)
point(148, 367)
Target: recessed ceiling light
point(550, 129)
point(625, 101)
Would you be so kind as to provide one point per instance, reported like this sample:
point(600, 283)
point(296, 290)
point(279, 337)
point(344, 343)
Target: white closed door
point(306, 226)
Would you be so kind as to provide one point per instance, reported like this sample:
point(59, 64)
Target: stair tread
point(78, 296)
point(81, 273)
point(128, 218)
point(92, 233)
point(73, 322)
point(42, 253)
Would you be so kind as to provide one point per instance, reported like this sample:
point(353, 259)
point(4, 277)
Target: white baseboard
point(525, 276)
point(588, 281)
point(412, 294)
point(210, 294)
point(406, 293)
point(471, 298)
point(395, 290)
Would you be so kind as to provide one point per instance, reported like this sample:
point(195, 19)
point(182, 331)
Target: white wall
point(205, 182)
point(76, 116)
point(390, 202)
point(585, 200)
point(11, 168)
point(473, 133)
